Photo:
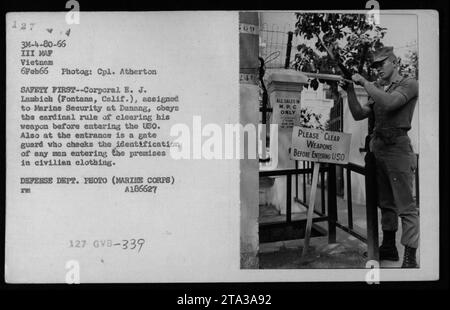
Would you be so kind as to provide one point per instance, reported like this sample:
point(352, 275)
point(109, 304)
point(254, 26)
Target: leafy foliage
point(351, 37)
point(410, 66)
point(311, 119)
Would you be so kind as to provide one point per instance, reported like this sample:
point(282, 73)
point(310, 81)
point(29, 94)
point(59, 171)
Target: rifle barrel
point(324, 76)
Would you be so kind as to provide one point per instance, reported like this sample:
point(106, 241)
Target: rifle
point(345, 71)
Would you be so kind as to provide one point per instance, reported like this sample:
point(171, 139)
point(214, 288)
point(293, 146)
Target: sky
point(402, 32)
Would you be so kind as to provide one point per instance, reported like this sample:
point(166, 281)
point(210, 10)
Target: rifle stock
point(345, 71)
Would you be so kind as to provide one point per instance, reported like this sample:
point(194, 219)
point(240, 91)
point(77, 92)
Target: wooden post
point(332, 203)
point(311, 204)
point(289, 198)
point(371, 208)
point(349, 198)
point(288, 50)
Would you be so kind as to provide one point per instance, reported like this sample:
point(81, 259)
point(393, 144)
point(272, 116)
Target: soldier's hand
point(345, 85)
point(358, 79)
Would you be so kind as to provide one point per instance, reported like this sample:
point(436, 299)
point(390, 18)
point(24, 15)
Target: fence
point(328, 210)
point(276, 45)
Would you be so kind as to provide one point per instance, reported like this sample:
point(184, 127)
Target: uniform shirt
point(401, 117)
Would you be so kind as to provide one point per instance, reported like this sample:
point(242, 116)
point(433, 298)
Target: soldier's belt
point(388, 134)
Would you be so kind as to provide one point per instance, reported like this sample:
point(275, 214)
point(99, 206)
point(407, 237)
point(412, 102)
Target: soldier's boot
point(409, 258)
point(388, 249)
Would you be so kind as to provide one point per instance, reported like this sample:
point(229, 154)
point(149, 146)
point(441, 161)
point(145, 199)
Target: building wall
point(316, 101)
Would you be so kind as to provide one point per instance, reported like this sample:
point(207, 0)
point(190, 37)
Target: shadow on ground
point(332, 256)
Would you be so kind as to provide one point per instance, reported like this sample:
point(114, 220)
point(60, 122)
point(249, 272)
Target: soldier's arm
point(396, 99)
point(359, 111)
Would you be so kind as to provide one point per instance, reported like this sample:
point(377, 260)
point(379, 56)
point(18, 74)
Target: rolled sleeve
point(409, 88)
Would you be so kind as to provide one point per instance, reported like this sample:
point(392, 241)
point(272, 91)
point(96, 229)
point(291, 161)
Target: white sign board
point(320, 146)
point(286, 107)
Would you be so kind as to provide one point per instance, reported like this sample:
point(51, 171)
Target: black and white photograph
point(349, 73)
point(234, 147)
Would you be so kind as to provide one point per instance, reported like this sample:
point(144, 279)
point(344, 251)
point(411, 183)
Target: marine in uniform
point(390, 109)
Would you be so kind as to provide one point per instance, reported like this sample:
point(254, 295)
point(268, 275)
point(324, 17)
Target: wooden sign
point(320, 146)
